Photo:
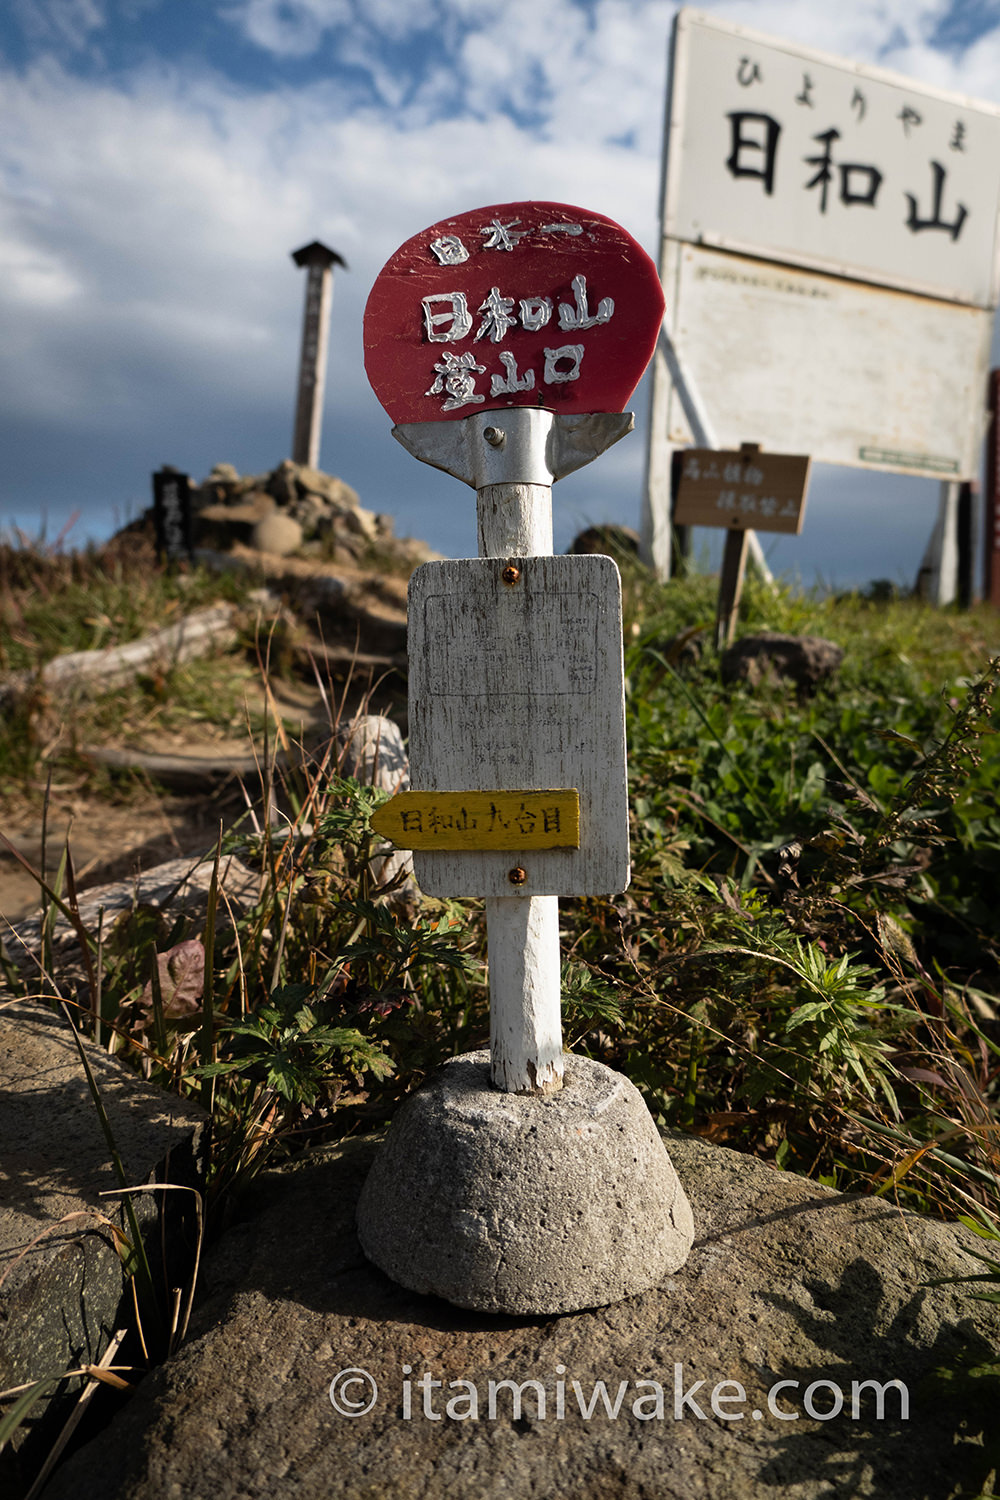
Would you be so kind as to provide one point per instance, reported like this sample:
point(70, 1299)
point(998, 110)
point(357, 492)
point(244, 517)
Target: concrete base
point(525, 1204)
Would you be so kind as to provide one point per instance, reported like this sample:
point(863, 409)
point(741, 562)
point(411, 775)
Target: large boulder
point(611, 540)
point(280, 534)
point(311, 1375)
point(805, 660)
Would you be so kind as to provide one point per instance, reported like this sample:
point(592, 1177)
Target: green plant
point(805, 965)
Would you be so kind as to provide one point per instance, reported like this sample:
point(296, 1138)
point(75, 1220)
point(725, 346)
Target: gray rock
point(610, 539)
point(281, 483)
point(806, 660)
point(333, 490)
point(61, 1278)
point(278, 534)
point(247, 508)
point(313, 514)
point(372, 751)
point(231, 509)
point(525, 1204)
point(786, 1281)
point(235, 518)
point(223, 474)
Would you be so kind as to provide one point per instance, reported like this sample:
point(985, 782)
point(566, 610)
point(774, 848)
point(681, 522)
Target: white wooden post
point(522, 934)
point(511, 457)
point(670, 376)
point(515, 520)
point(937, 580)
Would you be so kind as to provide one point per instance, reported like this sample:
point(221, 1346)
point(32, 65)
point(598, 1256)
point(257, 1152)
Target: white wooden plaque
point(517, 686)
point(849, 373)
point(795, 155)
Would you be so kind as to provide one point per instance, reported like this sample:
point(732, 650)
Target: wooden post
point(991, 508)
point(734, 561)
point(312, 362)
point(968, 496)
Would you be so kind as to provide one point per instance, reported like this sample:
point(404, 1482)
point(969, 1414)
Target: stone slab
point(61, 1278)
point(523, 1203)
point(786, 1281)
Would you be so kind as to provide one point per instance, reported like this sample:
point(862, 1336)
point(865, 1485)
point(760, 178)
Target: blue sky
point(160, 159)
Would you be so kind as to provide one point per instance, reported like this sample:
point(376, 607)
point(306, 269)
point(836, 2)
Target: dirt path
point(108, 841)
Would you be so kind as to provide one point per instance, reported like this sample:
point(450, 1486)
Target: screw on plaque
point(495, 436)
point(510, 575)
point(518, 875)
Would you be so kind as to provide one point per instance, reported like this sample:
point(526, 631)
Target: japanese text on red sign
point(448, 319)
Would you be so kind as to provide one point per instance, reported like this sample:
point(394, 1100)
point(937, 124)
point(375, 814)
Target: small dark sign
point(172, 514)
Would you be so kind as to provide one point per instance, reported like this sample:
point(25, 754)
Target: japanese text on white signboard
point(799, 156)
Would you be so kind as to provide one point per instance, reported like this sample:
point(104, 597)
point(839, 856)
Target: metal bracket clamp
point(514, 445)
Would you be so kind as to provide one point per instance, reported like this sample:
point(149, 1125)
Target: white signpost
point(503, 343)
point(516, 685)
point(829, 257)
point(516, 679)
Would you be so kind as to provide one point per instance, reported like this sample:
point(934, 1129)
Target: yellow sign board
point(481, 820)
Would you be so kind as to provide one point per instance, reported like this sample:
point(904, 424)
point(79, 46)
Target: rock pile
point(293, 509)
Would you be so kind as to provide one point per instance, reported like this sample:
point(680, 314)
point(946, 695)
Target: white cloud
point(287, 28)
point(900, 35)
point(35, 277)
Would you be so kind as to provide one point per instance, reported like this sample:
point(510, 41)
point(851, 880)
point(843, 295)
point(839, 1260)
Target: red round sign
point(521, 304)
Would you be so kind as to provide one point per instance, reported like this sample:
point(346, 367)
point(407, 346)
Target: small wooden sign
point(746, 491)
point(481, 820)
point(516, 682)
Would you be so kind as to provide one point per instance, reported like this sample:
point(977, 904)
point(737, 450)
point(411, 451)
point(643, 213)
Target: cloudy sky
point(160, 159)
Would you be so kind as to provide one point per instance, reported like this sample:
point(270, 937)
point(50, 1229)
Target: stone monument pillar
point(315, 336)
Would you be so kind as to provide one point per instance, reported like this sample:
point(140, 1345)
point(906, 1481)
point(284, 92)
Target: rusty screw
point(518, 875)
point(495, 436)
point(510, 575)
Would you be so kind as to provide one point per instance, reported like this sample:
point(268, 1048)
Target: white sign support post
point(511, 459)
point(514, 519)
point(521, 1180)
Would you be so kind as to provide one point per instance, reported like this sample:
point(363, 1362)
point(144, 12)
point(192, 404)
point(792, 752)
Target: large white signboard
point(796, 156)
point(829, 259)
point(845, 371)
